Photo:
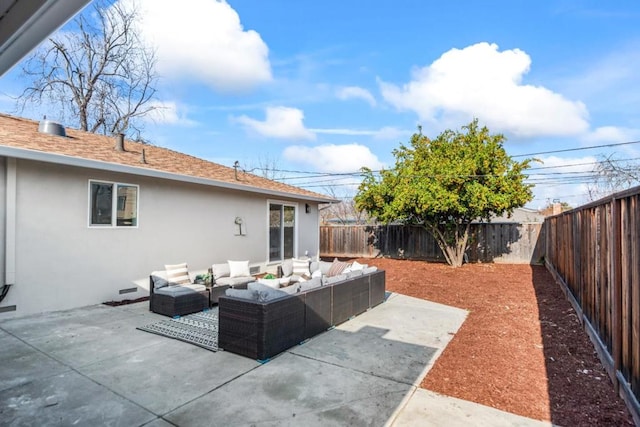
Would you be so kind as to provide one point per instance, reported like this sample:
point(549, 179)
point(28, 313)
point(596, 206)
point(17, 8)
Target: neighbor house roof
point(20, 138)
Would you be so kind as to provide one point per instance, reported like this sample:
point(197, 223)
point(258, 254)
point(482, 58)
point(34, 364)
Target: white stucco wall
point(63, 263)
point(3, 210)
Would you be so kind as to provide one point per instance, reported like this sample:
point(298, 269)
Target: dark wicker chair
point(178, 305)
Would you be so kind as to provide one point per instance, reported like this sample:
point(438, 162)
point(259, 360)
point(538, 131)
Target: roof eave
point(61, 159)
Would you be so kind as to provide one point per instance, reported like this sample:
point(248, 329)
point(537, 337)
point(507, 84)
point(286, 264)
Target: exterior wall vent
point(51, 128)
point(7, 308)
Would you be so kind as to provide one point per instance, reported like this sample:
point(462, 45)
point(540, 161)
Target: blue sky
point(335, 85)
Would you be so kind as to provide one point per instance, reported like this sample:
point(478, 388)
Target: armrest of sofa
point(260, 330)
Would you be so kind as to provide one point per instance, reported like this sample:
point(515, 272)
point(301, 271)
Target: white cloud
point(480, 81)
point(333, 158)
point(385, 133)
point(389, 133)
point(168, 112)
point(355, 92)
point(612, 134)
point(204, 40)
point(280, 122)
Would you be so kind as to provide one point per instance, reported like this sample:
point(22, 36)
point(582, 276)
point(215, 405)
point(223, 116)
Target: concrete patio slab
point(60, 322)
point(90, 366)
point(401, 338)
point(68, 399)
point(295, 390)
point(426, 408)
point(20, 363)
point(85, 344)
point(180, 373)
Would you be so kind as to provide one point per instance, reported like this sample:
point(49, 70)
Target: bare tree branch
point(99, 77)
point(613, 175)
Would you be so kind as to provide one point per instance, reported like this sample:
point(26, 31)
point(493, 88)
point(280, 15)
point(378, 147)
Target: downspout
point(10, 227)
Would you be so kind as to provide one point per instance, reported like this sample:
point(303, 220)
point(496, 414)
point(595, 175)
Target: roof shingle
point(23, 133)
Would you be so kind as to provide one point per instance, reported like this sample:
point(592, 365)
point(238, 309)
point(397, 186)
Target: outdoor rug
point(200, 329)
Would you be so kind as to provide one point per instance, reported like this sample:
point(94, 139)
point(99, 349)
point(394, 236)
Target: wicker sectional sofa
point(262, 329)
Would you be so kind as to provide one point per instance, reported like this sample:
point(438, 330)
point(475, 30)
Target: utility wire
point(310, 174)
point(578, 149)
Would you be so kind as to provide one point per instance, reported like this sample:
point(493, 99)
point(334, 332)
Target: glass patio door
point(282, 228)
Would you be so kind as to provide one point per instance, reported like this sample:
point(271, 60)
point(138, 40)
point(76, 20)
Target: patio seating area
point(91, 366)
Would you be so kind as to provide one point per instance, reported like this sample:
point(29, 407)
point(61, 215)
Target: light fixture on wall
point(238, 221)
point(307, 208)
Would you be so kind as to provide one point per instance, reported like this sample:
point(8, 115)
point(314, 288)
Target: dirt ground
point(521, 349)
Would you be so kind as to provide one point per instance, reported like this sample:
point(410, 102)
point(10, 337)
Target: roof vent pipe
point(51, 128)
point(236, 165)
point(120, 142)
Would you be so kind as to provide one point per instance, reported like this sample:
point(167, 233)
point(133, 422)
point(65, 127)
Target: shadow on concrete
point(342, 377)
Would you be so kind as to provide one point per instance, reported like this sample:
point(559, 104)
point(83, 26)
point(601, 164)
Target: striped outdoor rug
point(199, 329)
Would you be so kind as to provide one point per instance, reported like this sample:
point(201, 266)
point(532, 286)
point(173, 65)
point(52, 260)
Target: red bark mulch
point(521, 348)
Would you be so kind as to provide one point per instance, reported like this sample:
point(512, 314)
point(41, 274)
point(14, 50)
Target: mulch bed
point(521, 349)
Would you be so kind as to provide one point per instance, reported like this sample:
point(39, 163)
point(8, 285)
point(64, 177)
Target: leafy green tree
point(446, 183)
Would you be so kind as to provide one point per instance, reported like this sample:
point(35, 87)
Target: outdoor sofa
point(260, 322)
point(173, 291)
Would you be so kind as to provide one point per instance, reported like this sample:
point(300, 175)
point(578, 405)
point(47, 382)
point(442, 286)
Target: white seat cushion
point(180, 289)
point(234, 281)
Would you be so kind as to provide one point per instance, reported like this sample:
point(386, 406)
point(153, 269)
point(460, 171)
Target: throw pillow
point(335, 279)
point(355, 265)
point(301, 267)
point(272, 283)
point(178, 273)
point(325, 266)
point(159, 282)
point(337, 267)
point(284, 281)
point(239, 269)
point(311, 284)
point(314, 266)
point(287, 268)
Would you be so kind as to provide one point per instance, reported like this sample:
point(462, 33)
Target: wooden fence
point(489, 242)
point(594, 252)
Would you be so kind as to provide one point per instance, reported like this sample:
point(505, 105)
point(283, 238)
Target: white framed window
point(112, 204)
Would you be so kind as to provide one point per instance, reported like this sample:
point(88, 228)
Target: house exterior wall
point(62, 263)
point(3, 213)
point(308, 230)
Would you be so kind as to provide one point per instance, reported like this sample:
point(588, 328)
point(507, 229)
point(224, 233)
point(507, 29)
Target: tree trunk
point(454, 252)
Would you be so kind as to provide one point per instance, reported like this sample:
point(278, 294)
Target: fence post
point(616, 288)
